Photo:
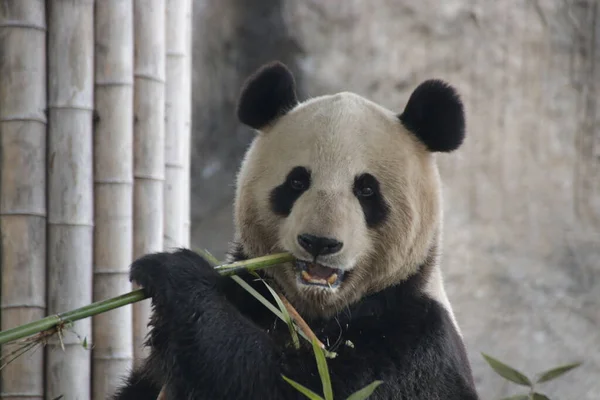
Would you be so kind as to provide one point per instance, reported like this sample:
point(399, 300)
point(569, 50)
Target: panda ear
point(266, 95)
point(435, 115)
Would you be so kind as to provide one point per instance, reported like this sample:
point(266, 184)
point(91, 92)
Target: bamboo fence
point(113, 173)
point(149, 144)
point(94, 172)
point(70, 188)
point(23, 212)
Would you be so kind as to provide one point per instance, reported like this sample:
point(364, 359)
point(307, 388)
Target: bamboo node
point(21, 24)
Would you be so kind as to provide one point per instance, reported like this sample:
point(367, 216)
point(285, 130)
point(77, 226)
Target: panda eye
point(365, 192)
point(365, 186)
point(298, 179)
point(298, 184)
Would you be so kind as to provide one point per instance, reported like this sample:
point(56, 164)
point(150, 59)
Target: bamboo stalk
point(175, 119)
point(113, 173)
point(22, 185)
point(53, 321)
point(187, 115)
point(70, 189)
point(149, 145)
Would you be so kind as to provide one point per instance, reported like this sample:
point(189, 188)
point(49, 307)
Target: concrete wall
point(522, 197)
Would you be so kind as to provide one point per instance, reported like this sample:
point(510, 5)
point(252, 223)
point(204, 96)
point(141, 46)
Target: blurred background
point(103, 102)
point(522, 197)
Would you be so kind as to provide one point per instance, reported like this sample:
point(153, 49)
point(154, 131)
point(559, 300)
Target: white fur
point(338, 137)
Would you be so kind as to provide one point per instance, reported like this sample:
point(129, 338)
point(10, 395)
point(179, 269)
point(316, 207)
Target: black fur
point(374, 206)
point(435, 115)
point(211, 340)
point(267, 94)
point(284, 196)
point(139, 385)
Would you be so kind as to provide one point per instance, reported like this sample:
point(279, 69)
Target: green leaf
point(85, 345)
point(302, 389)
point(517, 397)
point(272, 308)
point(208, 256)
point(258, 296)
point(323, 370)
point(539, 396)
point(365, 392)
point(286, 316)
point(507, 372)
point(556, 372)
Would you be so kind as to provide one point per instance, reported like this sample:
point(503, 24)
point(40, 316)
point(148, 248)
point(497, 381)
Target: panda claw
point(150, 272)
point(163, 275)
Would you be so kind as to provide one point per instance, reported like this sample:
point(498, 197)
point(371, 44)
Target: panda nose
point(319, 246)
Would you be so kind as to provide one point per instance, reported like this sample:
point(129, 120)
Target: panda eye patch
point(284, 196)
point(375, 208)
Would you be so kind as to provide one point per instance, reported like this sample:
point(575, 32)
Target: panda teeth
point(306, 276)
point(331, 280)
point(309, 278)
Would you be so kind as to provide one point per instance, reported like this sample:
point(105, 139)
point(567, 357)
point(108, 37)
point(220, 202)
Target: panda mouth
point(311, 273)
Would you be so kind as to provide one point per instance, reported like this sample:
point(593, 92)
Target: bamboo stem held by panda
point(112, 339)
point(57, 320)
point(149, 145)
point(70, 189)
point(22, 184)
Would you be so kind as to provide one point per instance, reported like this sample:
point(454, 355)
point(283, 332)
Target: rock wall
point(522, 197)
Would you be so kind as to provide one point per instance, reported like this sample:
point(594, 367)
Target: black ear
point(266, 95)
point(435, 115)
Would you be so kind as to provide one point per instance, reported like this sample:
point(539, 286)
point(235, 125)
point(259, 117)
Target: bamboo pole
point(113, 173)
point(22, 185)
point(149, 145)
point(70, 189)
point(175, 122)
point(187, 115)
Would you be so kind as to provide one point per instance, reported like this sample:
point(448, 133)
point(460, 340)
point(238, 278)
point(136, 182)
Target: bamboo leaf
point(323, 370)
point(271, 307)
point(517, 397)
point(539, 396)
point(302, 389)
point(507, 372)
point(556, 372)
point(208, 256)
point(258, 297)
point(286, 315)
point(365, 392)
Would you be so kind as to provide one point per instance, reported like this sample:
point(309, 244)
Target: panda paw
point(168, 276)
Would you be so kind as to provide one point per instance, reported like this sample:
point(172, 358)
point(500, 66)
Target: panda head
point(348, 187)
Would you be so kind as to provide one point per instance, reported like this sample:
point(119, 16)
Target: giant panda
point(352, 191)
